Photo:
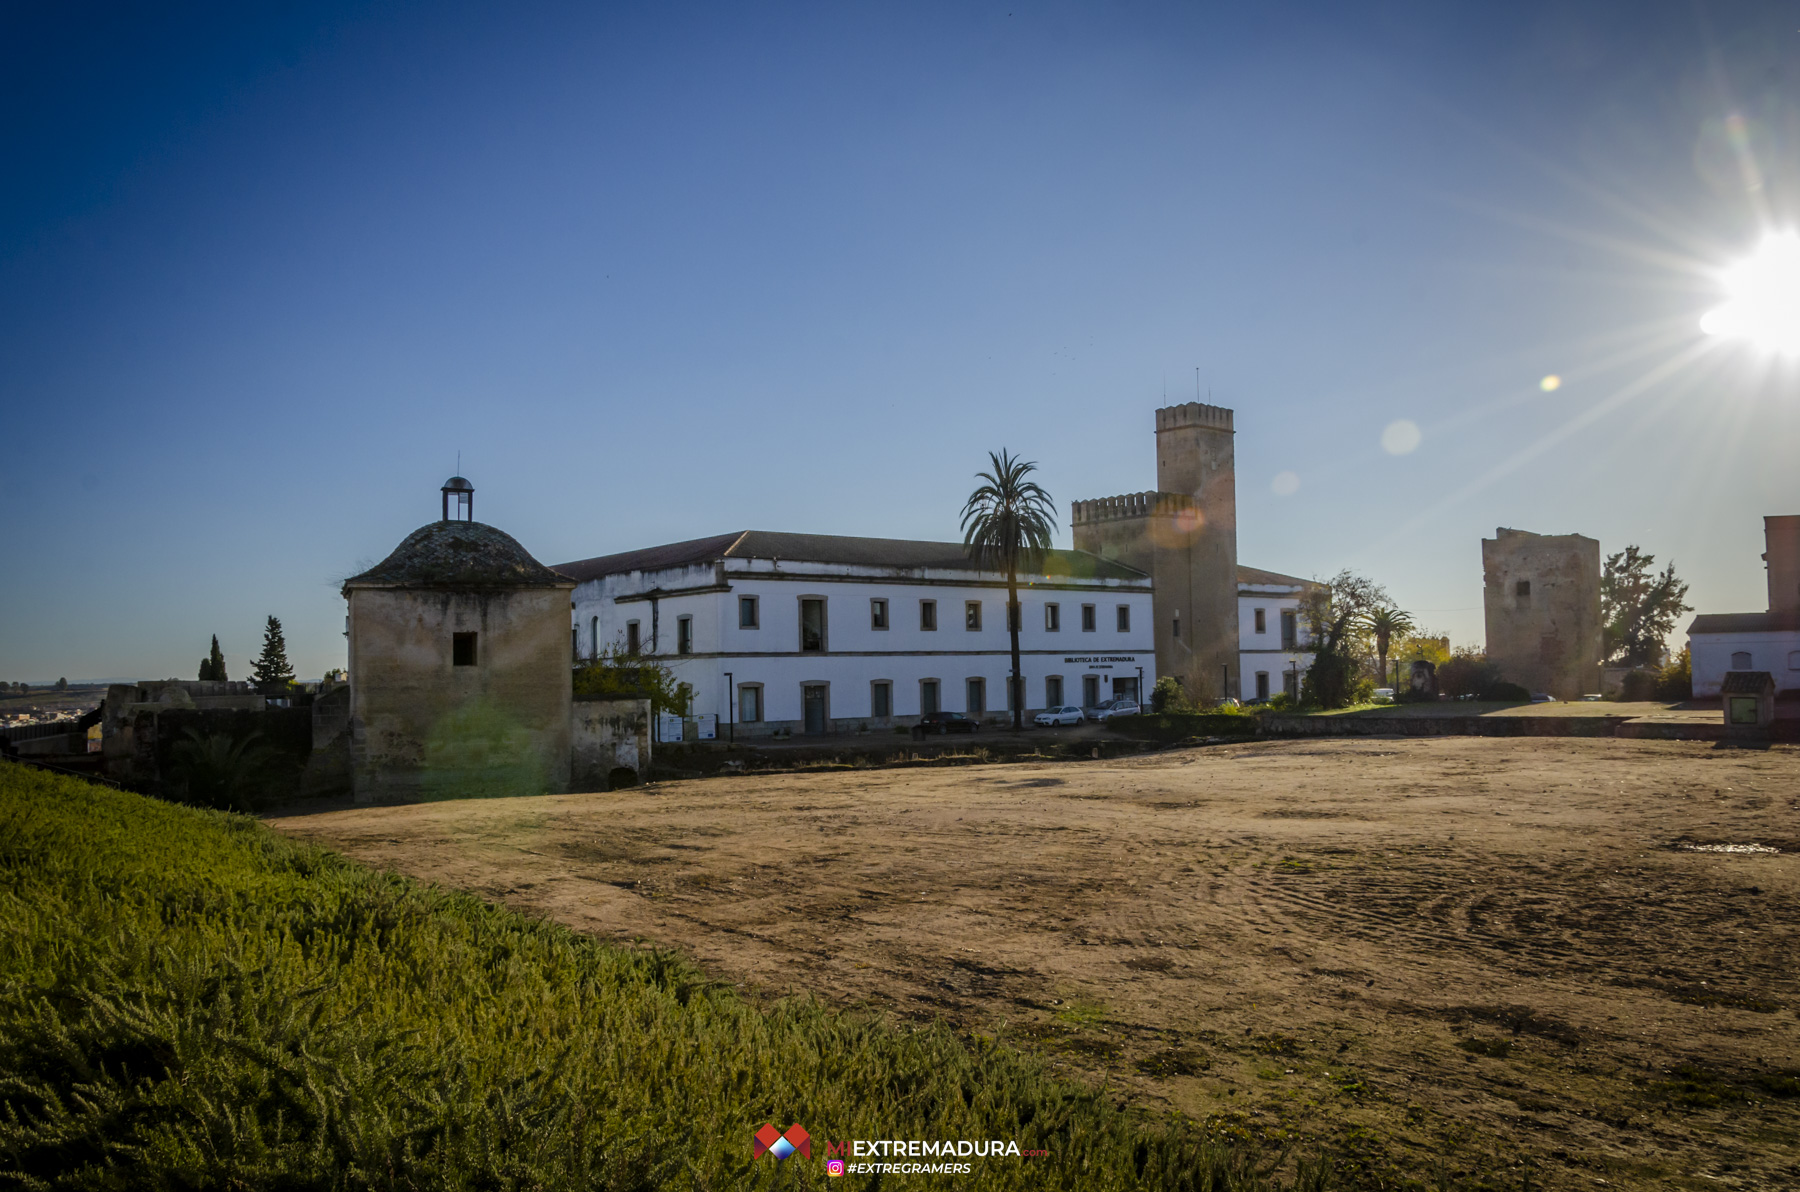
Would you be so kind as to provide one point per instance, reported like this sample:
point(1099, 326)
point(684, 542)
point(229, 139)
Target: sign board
point(93, 738)
point(1100, 662)
point(668, 727)
point(709, 726)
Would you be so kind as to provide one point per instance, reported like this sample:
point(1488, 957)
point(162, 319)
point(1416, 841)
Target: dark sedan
point(944, 722)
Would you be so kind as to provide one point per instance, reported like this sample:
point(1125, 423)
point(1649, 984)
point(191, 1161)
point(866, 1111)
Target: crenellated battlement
point(1146, 504)
point(1193, 414)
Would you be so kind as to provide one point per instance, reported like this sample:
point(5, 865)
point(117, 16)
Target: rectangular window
point(928, 614)
point(462, 649)
point(1053, 691)
point(684, 635)
point(977, 697)
point(750, 703)
point(1290, 683)
point(1124, 618)
point(1053, 618)
point(877, 614)
point(747, 612)
point(971, 614)
point(1087, 618)
point(1177, 626)
point(812, 625)
point(1090, 691)
point(881, 699)
point(1262, 621)
point(928, 696)
point(1290, 629)
point(1522, 589)
point(631, 637)
point(1262, 684)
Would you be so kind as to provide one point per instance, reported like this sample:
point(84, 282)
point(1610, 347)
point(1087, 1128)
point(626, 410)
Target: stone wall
point(1542, 603)
point(422, 727)
point(608, 735)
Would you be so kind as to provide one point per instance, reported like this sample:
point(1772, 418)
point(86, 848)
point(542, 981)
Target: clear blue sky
point(660, 271)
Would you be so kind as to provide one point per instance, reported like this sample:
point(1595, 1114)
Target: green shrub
point(188, 1000)
point(1637, 685)
point(1675, 681)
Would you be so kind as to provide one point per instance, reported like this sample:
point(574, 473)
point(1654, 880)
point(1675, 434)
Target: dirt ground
point(1452, 955)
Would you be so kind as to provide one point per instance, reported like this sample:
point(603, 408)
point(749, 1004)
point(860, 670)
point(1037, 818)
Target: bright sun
point(1764, 297)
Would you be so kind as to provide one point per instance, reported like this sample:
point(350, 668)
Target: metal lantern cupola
point(463, 494)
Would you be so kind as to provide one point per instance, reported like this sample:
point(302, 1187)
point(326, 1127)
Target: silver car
point(1051, 717)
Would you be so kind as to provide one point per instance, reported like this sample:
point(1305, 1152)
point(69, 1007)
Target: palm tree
point(1006, 527)
point(1386, 624)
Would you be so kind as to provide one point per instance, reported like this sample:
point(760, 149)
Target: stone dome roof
point(458, 554)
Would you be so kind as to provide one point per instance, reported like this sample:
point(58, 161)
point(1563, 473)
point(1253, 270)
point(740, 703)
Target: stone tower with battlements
point(1184, 535)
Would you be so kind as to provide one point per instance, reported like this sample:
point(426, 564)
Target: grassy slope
point(189, 1001)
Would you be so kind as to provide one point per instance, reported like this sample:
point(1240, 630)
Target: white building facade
point(1271, 631)
point(812, 633)
point(1721, 642)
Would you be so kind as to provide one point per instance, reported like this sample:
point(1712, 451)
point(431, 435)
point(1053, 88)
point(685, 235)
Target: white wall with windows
point(1774, 650)
point(816, 647)
point(1270, 632)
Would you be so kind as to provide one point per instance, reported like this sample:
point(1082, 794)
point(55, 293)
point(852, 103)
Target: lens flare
point(1551, 383)
point(1285, 484)
point(1401, 437)
point(1763, 297)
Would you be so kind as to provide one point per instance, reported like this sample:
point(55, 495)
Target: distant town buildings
point(1720, 643)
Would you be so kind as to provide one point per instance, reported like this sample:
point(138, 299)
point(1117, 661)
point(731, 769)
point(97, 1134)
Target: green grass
point(188, 1000)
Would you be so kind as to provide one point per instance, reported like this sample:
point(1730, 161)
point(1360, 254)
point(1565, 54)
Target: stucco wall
point(1547, 639)
point(1776, 651)
point(608, 735)
point(422, 727)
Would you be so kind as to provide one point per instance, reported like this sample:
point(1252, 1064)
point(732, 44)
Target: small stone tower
point(1542, 600)
point(1781, 539)
point(459, 665)
point(1184, 535)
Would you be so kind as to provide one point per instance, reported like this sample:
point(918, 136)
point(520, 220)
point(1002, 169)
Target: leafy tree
point(1386, 623)
point(271, 671)
point(1639, 607)
point(1335, 610)
point(216, 771)
point(1675, 681)
point(616, 674)
point(62, 684)
point(212, 667)
point(1006, 527)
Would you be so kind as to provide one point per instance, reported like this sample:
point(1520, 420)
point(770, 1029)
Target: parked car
point(1123, 706)
point(1384, 693)
point(1539, 697)
point(946, 722)
point(1051, 717)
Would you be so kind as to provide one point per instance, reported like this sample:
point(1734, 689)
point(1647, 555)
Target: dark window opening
point(462, 649)
point(684, 635)
point(877, 614)
point(1290, 630)
point(1087, 618)
point(928, 617)
point(977, 697)
point(1053, 691)
point(1177, 626)
point(972, 614)
point(1522, 588)
point(881, 699)
point(631, 637)
point(1124, 618)
point(812, 626)
point(746, 612)
point(1053, 618)
point(1262, 684)
point(1262, 623)
point(928, 696)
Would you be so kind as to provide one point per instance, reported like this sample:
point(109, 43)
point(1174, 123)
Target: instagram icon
point(834, 1167)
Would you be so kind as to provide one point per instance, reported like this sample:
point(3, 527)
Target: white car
point(1051, 717)
point(1123, 706)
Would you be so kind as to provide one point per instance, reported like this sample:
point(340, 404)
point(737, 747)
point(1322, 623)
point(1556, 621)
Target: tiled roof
point(458, 554)
point(1746, 682)
point(1261, 578)
point(1743, 622)
point(899, 553)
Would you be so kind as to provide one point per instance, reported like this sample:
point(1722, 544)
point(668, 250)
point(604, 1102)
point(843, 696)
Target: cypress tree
point(271, 670)
point(217, 659)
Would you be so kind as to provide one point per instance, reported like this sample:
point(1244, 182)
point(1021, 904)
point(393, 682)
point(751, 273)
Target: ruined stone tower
point(1184, 535)
point(1542, 599)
